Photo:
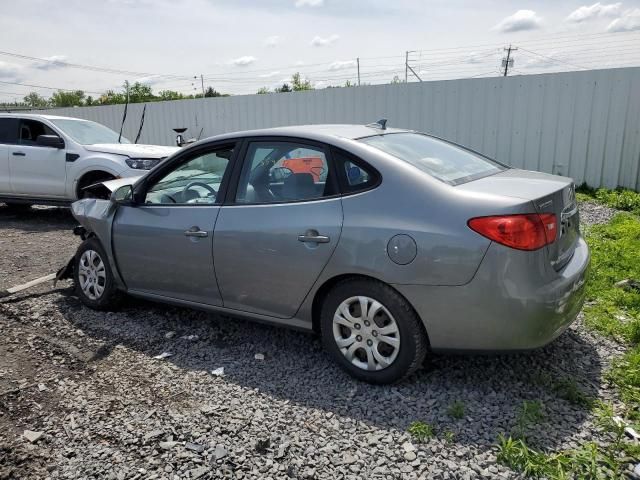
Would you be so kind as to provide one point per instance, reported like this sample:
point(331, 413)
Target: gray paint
point(470, 293)
point(585, 124)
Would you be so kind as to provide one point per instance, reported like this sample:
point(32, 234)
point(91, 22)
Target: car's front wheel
point(372, 331)
point(94, 281)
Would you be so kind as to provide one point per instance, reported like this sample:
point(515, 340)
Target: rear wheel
point(372, 331)
point(93, 277)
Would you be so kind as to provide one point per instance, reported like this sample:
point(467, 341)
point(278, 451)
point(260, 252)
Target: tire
point(392, 364)
point(101, 293)
point(19, 207)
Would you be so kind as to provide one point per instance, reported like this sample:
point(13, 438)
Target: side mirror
point(53, 141)
point(122, 195)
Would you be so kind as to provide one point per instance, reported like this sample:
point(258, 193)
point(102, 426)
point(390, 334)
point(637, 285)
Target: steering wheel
point(199, 184)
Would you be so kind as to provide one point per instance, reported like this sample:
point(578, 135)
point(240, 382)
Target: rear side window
point(356, 174)
point(442, 160)
point(8, 130)
point(30, 130)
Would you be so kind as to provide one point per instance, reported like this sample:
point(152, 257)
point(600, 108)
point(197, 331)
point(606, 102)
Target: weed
point(531, 412)
point(456, 410)
point(421, 431)
point(568, 389)
point(449, 436)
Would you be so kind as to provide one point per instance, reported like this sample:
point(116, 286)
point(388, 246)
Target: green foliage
point(63, 98)
point(300, 84)
point(34, 100)
point(170, 95)
point(625, 374)
point(614, 248)
point(212, 92)
point(456, 410)
point(565, 388)
point(263, 90)
point(421, 431)
point(285, 88)
point(449, 436)
point(620, 198)
point(531, 412)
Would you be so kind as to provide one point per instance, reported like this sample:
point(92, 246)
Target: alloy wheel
point(92, 274)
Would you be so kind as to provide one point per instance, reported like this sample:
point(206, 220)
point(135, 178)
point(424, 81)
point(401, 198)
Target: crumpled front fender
point(96, 216)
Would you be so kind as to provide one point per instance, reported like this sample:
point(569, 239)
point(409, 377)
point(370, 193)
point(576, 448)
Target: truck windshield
point(442, 160)
point(87, 133)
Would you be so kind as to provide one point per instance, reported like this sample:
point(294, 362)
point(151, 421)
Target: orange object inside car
point(312, 165)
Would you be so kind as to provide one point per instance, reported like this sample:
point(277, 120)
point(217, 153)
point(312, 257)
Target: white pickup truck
point(49, 160)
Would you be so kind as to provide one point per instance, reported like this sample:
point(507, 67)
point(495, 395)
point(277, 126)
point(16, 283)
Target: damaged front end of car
point(95, 218)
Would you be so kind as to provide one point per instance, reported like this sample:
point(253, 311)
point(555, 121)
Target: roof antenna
point(381, 124)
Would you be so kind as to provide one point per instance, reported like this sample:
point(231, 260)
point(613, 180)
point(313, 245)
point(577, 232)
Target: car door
point(163, 244)
point(279, 227)
point(37, 170)
point(8, 137)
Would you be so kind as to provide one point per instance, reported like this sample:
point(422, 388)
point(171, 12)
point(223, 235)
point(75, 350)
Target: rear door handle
point(313, 237)
point(19, 154)
point(196, 232)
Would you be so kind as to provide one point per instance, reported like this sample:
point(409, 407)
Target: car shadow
point(36, 219)
point(492, 388)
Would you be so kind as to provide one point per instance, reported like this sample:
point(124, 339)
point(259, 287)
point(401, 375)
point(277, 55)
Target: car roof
point(321, 132)
point(36, 116)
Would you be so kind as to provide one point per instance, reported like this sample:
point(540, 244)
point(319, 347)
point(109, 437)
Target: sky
point(239, 46)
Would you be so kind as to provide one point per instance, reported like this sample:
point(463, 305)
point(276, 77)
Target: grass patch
point(564, 387)
point(421, 431)
point(456, 410)
point(615, 250)
point(619, 198)
point(530, 413)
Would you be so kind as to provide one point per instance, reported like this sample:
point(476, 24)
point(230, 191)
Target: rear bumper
point(516, 301)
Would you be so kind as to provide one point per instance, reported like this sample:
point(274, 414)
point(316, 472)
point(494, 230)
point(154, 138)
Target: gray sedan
point(388, 243)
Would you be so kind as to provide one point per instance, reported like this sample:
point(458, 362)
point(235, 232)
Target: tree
point(284, 88)
point(170, 95)
point(396, 79)
point(63, 98)
point(89, 101)
point(299, 84)
point(33, 99)
point(263, 90)
point(139, 92)
point(111, 98)
point(212, 92)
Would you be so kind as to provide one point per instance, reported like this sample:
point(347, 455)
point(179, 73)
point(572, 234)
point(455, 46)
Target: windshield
point(87, 133)
point(442, 160)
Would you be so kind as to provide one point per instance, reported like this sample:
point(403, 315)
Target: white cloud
point(319, 41)
point(51, 63)
point(272, 41)
point(269, 75)
point(596, 10)
point(629, 21)
point(521, 20)
point(342, 64)
point(309, 3)
point(299, 63)
point(10, 72)
point(243, 61)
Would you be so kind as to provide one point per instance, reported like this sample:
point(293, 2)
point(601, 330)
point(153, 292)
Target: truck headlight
point(142, 163)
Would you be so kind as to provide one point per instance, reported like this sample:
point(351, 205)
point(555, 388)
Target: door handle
point(196, 232)
point(313, 237)
point(19, 154)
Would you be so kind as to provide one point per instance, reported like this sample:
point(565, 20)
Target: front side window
point(442, 160)
point(30, 130)
point(195, 182)
point(276, 172)
point(9, 130)
point(88, 133)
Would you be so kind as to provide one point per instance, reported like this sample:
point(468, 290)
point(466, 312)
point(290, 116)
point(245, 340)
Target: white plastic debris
point(631, 433)
point(163, 355)
point(169, 335)
point(191, 338)
point(32, 436)
point(259, 356)
point(218, 372)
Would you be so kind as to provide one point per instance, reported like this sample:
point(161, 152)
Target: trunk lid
point(548, 194)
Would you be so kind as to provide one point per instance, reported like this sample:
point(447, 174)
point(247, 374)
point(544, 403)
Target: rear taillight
point(524, 232)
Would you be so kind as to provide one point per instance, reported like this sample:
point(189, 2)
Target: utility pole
point(508, 61)
point(358, 63)
point(202, 83)
point(406, 66)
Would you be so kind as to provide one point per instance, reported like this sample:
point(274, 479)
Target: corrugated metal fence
point(582, 124)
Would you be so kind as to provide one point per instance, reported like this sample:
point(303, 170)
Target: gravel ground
point(108, 409)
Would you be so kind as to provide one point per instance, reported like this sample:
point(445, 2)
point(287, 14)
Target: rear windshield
point(446, 162)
